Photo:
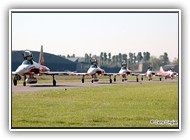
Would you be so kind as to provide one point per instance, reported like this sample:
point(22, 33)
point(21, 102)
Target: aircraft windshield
point(150, 68)
point(124, 68)
point(93, 66)
point(27, 62)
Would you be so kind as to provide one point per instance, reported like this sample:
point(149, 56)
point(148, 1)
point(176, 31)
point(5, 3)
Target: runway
point(67, 85)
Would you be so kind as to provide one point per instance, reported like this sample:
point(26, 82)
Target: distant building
point(73, 59)
point(81, 65)
point(174, 67)
point(143, 66)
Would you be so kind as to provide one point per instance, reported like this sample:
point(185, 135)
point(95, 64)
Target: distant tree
point(117, 58)
point(134, 58)
point(105, 56)
point(68, 56)
point(73, 56)
point(139, 56)
point(101, 57)
point(90, 56)
point(155, 62)
point(124, 57)
point(86, 58)
point(114, 59)
point(146, 56)
point(175, 61)
point(164, 58)
point(120, 57)
point(130, 58)
point(109, 57)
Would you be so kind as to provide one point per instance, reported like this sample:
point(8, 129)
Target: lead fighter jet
point(30, 68)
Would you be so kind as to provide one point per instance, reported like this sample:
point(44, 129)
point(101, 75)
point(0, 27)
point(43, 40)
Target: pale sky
point(80, 33)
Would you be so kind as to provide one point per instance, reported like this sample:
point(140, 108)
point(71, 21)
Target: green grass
point(105, 106)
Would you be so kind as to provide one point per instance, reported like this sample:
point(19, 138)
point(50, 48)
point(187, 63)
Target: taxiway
point(67, 85)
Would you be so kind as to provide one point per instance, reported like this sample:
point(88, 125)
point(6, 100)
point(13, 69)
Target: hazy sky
point(80, 33)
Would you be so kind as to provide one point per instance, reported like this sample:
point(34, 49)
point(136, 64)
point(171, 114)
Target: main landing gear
point(24, 81)
point(83, 79)
point(15, 79)
point(142, 78)
point(110, 80)
point(137, 79)
point(95, 79)
point(124, 78)
point(15, 82)
point(114, 79)
point(54, 81)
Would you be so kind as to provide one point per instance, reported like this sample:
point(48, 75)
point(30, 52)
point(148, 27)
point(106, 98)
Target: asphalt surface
point(48, 86)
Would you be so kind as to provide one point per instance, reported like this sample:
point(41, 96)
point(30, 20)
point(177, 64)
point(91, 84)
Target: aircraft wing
point(161, 74)
point(110, 74)
point(80, 74)
point(86, 74)
point(135, 74)
point(142, 74)
point(13, 72)
point(56, 73)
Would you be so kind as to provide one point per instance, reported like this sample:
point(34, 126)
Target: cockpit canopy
point(124, 65)
point(93, 66)
point(94, 61)
point(27, 62)
point(150, 68)
point(27, 55)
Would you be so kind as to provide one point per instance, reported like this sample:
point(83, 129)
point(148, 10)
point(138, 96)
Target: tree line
point(132, 59)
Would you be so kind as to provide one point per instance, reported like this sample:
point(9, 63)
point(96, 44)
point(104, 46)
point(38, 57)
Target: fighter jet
point(148, 74)
point(125, 72)
point(167, 74)
point(30, 68)
point(95, 72)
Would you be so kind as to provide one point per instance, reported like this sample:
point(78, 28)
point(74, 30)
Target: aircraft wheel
point(149, 79)
point(54, 83)
point(92, 81)
point(122, 80)
point(114, 79)
point(24, 83)
point(82, 80)
point(137, 79)
point(15, 82)
point(160, 79)
point(110, 80)
point(141, 78)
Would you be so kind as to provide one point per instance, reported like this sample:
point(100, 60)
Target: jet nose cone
point(20, 70)
point(90, 71)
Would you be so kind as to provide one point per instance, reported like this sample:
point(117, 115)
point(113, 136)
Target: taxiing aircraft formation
point(30, 68)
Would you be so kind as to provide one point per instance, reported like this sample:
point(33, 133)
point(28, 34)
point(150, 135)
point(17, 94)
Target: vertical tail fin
point(161, 69)
point(41, 57)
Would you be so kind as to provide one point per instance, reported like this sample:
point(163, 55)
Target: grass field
point(132, 105)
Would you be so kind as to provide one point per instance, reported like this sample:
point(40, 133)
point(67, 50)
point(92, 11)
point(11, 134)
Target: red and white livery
point(29, 68)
